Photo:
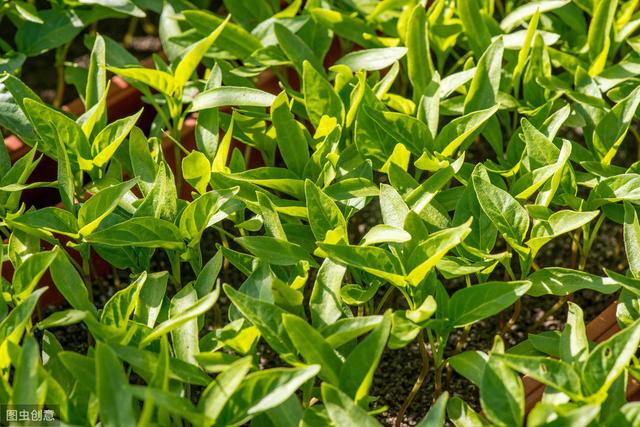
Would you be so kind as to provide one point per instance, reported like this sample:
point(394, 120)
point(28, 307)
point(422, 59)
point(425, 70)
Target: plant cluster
point(406, 190)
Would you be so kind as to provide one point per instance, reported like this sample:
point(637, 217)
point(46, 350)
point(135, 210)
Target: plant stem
point(418, 384)
point(86, 272)
point(634, 131)
point(574, 252)
point(514, 318)
point(383, 300)
point(459, 344)
point(61, 54)
point(586, 248)
point(128, 37)
point(438, 382)
point(116, 279)
point(554, 308)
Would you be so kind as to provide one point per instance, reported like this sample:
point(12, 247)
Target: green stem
point(61, 54)
point(419, 381)
point(557, 306)
point(384, 298)
point(586, 248)
point(514, 318)
point(131, 30)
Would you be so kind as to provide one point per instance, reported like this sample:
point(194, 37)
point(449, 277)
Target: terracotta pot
point(599, 329)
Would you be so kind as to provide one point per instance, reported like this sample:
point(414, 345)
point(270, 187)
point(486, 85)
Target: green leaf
point(159, 80)
point(419, 65)
point(13, 324)
point(616, 188)
point(313, 348)
point(343, 411)
point(502, 394)
point(101, 204)
point(320, 98)
point(474, 26)
point(114, 398)
point(461, 130)
point(234, 96)
point(266, 317)
point(462, 415)
point(275, 251)
point(189, 62)
point(559, 222)
point(509, 217)
point(218, 393)
point(182, 314)
point(144, 167)
point(290, 136)
point(109, 139)
point(324, 215)
point(207, 277)
point(97, 75)
point(325, 304)
point(564, 281)
point(127, 7)
point(356, 374)
point(372, 59)
point(263, 390)
point(554, 373)
point(69, 282)
point(12, 95)
point(184, 329)
point(59, 27)
point(50, 125)
point(234, 39)
point(483, 232)
point(141, 232)
point(608, 359)
point(612, 128)
point(28, 274)
point(27, 11)
point(205, 211)
point(150, 298)
point(574, 345)
point(430, 251)
point(296, 49)
point(371, 259)
point(344, 330)
point(378, 133)
point(383, 233)
point(25, 377)
point(196, 170)
point(470, 364)
point(62, 318)
point(169, 402)
point(478, 302)
point(393, 207)
point(632, 239)
point(598, 37)
point(436, 415)
point(66, 184)
point(160, 201)
point(524, 12)
point(118, 309)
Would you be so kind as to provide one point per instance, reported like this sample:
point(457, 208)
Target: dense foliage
point(414, 160)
